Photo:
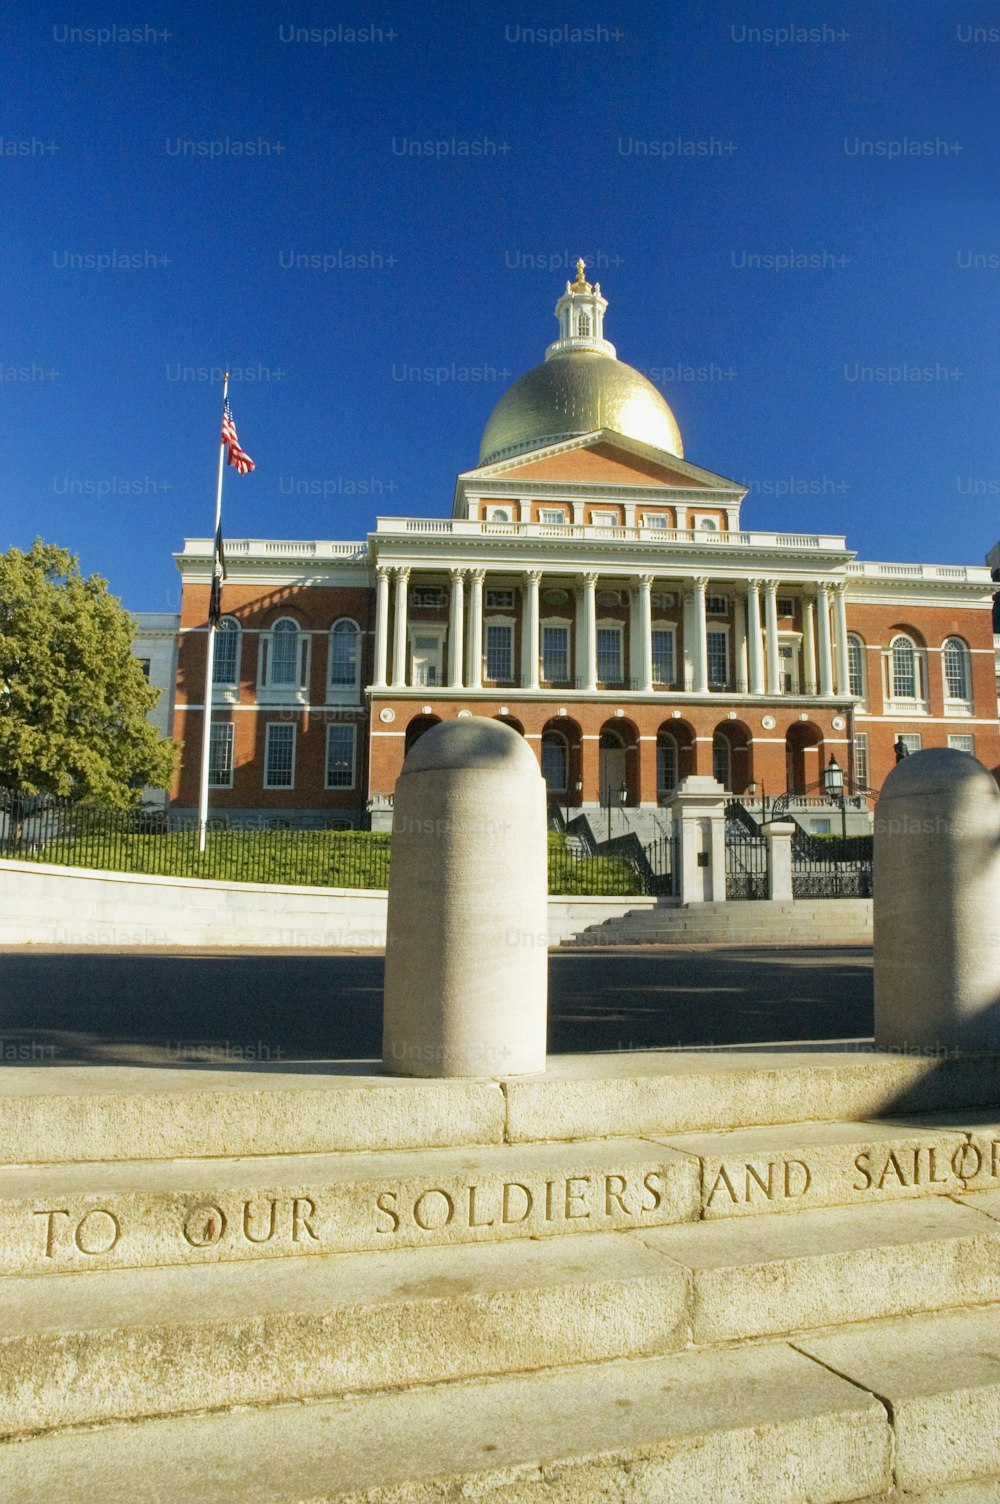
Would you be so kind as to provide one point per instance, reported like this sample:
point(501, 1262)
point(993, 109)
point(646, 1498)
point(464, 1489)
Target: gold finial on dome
point(581, 284)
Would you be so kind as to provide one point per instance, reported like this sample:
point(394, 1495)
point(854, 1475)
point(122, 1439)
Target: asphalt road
point(239, 1009)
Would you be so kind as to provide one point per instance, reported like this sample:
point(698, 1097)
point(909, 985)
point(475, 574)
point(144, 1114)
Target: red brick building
point(598, 591)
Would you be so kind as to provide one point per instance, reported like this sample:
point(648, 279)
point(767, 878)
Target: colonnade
point(755, 665)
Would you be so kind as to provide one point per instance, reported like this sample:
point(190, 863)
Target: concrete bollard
point(937, 905)
point(466, 960)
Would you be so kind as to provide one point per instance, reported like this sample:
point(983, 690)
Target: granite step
point(69, 1219)
point(69, 1115)
point(889, 1412)
point(120, 1344)
point(735, 1427)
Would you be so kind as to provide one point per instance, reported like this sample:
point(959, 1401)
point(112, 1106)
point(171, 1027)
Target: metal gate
point(661, 877)
point(746, 855)
point(834, 867)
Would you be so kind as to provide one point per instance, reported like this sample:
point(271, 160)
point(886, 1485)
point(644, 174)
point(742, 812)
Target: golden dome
point(574, 392)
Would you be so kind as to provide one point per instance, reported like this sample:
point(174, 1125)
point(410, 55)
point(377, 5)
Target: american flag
point(237, 457)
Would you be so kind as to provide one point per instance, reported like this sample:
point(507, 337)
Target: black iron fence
point(163, 842)
point(831, 866)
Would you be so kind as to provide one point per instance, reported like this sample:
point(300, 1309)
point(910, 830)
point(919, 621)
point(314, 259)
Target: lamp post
point(752, 793)
point(833, 785)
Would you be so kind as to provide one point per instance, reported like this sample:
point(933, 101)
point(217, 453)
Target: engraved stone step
point(941, 1377)
point(736, 1427)
point(768, 1276)
point(70, 1218)
point(754, 1171)
point(80, 1349)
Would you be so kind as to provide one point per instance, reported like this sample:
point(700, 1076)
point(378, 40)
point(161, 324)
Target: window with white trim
point(609, 655)
point(666, 763)
point(220, 755)
point(284, 657)
point(717, 605)
point(500, 600)
point(910, 739)
point(345, 658)
point(904, 675)
point(555, 654)
point(279, 755)
point(960, 741)
point(856, 666)
point(499, 642)
point(427, 595)
point(663, 655)
point(555, 761)
point(583, 325)
point(955, 666)
point(498, 514)
point(718, 659)
point(226, 656)
point(786, 605)
point(604, 519)
point(721, 759)
point(552, 516)
point(655, 519)
point(426, 653)
point(341, 743)
point(862, 767)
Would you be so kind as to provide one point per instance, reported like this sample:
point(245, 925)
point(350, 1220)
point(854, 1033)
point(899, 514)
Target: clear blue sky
point(674, 149)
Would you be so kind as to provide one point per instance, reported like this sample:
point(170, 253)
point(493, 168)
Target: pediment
point(604, 459)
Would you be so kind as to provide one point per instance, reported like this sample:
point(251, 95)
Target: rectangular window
point(663, 656)
point(340, 745)
point(718, 659)
point(499, 653)
point(144, 665)
point(717, 605)
point(862, 776)
point(962, 742)
point(655, 519)
point(552, 516)
point(609, 655)
point(220, 755)
point(910, 740)
point(426, 662)
point(501, 600)
point(786, 606)
point(555, 654)
point(604, 519)
point(279, 755)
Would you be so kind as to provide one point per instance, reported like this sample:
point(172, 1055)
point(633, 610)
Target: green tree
point(73, 699)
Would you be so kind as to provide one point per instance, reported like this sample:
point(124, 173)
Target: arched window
point(555, 761)
point(666, 763)
point(583, 325)
point(226, 658)
point(706, 525)
point(856, 666)
point(283, 667)
point(955, 661)
point(903, 669)
point(344, 655)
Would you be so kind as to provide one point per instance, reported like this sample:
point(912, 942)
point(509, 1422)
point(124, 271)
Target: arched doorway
point(612, 767)
point(418, 726)
point(731, 756)
point(803, 757)
point(560, 753)
point(512, 722)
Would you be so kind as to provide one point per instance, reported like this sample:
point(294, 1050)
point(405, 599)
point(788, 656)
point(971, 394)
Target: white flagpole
point(206, 733)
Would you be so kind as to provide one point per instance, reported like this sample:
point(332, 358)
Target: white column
point(771, 620)
point(474, 667)
point(529, 630)
point(456, 628)
point(381, 625)
point(642, 660)
point(589, 603)
point(740, 628)
point(808, 647)
point(840, 627)
point(399, 640)
point(687, 634)
point(755, 640)
point(700, 635)
point(823, 634)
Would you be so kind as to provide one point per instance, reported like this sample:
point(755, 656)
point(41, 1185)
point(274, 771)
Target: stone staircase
point(830, 921)
point(749, 1276)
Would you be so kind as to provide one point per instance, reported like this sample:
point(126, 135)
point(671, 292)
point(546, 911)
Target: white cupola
point(580, 312)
